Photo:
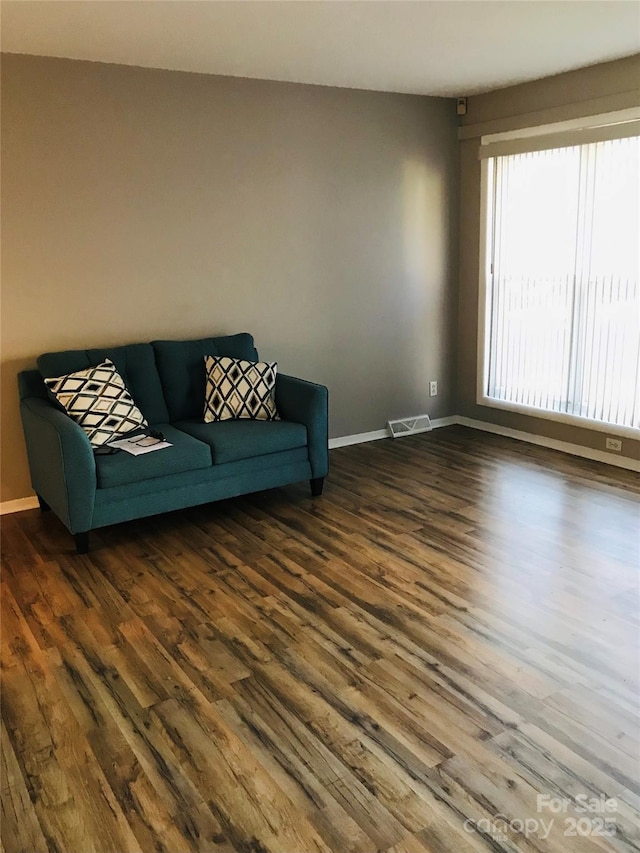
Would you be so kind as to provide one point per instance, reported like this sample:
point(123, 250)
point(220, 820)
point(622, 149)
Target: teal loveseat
point(207, 461)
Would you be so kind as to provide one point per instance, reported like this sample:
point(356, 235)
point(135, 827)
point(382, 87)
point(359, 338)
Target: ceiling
point(458, 47)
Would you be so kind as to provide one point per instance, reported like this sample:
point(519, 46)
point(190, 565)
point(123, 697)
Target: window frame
point(533, 134)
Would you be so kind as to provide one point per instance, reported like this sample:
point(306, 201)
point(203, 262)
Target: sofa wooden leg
point(317, 484)
point(82, 542)
point(44, 506)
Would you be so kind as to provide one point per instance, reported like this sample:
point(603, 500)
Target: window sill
point(559, 417)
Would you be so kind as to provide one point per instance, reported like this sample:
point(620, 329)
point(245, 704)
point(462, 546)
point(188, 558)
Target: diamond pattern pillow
point(239, 389)
point(98, 400)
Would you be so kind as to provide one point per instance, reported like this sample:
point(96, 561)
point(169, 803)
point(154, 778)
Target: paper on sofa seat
point(139, 445)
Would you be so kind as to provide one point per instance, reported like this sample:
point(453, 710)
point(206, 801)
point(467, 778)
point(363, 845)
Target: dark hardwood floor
point(403, 665)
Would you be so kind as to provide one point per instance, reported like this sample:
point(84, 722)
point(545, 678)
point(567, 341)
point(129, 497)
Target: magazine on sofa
point(139, 444)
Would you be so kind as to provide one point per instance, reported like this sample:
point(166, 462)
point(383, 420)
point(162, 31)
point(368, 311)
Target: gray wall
point(142, 203)
point(589, 91)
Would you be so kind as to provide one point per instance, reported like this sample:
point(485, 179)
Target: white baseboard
point(553, 443)
point(376, 435)
point(18, 505)
point(450, 420)
point(363, 437)
point(358, 438)
point(484, 426)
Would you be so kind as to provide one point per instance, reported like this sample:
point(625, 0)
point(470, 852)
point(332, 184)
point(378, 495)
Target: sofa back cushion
point(182, 371)
point(135, 363)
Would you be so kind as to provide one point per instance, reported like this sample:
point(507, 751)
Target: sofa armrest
point(308, 404)
point(63, 467)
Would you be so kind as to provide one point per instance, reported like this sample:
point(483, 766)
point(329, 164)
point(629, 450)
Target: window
point(561, 330)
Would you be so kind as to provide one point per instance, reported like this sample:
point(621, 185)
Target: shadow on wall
point(15, 472)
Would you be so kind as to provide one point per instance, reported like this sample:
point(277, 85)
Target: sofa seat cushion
point(244, 439)
point(185, 454)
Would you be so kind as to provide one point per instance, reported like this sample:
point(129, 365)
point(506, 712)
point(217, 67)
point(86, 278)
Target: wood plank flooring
point(403, 665)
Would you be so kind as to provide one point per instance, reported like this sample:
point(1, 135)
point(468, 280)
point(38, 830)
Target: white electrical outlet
point(433, 388)
point(614, 444)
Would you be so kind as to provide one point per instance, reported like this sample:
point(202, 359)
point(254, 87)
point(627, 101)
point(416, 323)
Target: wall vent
point(409, 426)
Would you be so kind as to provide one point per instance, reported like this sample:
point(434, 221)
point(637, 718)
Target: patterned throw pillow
point(98, 400)
point(239, 389)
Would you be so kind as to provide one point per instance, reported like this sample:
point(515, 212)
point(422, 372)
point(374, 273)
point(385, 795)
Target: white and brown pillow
point(239, 389)
point(98, 400)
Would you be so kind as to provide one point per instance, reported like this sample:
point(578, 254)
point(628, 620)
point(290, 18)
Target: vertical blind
point(564, 305)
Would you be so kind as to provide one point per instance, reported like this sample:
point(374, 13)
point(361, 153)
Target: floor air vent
point(409, 426)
